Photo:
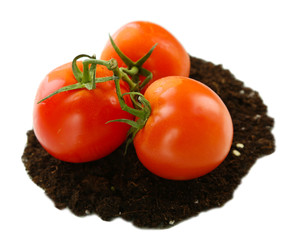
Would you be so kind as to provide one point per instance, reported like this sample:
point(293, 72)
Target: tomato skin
point(135, 39)
point(189, 132)
point(71, 125)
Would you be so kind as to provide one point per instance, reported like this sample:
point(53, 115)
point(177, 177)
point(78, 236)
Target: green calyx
point(142, 111)
point(135, 69)
point(86, 79)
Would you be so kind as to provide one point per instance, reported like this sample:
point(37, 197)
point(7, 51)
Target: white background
point(253, 39)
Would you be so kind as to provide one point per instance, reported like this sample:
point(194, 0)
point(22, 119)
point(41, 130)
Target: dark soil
point(118, 186)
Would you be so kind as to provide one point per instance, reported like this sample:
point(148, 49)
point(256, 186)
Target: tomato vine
point(87, 79)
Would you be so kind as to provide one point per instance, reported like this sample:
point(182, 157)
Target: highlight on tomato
point(71, 125)
point(135, 39)
point(186, 131)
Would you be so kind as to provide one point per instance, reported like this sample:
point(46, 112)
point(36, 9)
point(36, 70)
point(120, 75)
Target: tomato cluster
point(180, 128)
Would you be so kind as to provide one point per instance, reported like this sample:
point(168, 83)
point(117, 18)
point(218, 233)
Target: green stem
point(124, 106)
point(109, 64)
point(89, 74)
point(134, 70)
point(118, 72)
point(93, 74)
point(76, 71)
point(113, 66)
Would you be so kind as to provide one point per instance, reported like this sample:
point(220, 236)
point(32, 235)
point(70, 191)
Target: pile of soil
point(118, 186)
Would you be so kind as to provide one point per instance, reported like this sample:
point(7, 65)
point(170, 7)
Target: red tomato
point(71, 125)
point(135, 39)
point(189, 132)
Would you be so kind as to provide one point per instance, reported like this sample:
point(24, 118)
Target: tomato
point(135, 39)
point(71, 125)
point(189, 132)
